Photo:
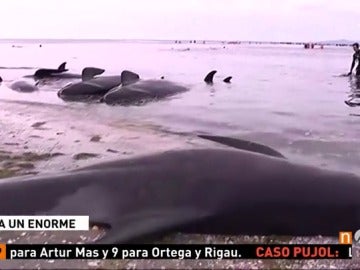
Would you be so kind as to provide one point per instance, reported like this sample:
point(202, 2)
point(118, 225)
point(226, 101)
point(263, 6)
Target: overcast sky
point(263, 20)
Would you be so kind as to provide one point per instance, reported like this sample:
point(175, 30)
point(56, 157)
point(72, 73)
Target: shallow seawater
point(284, 96)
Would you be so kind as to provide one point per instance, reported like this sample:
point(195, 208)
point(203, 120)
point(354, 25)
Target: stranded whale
point(48, 72)
point(125, 89)
point(23, 86)
point(133, 90)
point(27, 87)
point(212, 191)
point(62, 73)
point(89, 88)
point(93, 89)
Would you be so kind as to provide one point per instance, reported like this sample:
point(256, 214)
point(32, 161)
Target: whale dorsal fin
point(244, 145)
point(227, 79)
point(62, 67)
point(128, 77)
point(90, 72)
point(43, 72)
point(209, 78)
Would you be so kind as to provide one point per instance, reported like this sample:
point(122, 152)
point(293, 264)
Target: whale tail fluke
point(228, 79)
point(210, 77)
point(89, 73)
point(128, 77)
point(62, 67)
point(243, 145)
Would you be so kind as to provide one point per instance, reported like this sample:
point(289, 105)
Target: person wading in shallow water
point(355, 92)
point(356, 58)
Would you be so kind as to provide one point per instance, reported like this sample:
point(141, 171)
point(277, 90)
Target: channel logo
point(346, 238)
point(2, 251)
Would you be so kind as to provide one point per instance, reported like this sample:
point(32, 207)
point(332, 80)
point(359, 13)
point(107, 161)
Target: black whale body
point(94, 88)
point(142, 91)
point(62, 73)
point(134, 90)
point(48, 72)
point(126, 89)
point(217, 191)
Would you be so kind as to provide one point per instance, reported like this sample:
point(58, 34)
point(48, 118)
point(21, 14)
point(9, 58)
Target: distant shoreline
point(340, 43)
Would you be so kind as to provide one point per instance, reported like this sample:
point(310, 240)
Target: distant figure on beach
point(356, 58)
point(1, 79)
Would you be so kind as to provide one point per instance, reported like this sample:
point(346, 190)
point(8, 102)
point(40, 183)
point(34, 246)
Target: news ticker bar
point(210, 252)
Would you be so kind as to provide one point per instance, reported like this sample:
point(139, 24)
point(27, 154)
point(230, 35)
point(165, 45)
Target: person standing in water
point(355, 87)
point(356, 58)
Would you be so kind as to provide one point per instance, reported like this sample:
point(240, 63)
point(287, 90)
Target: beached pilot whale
point(90, 87)
point(125, 89)
point(27, 87)
point(23, 86)
point(213, 191)
point(133, 90)
point(62, 73)
point(98, 87)
point(47, 72)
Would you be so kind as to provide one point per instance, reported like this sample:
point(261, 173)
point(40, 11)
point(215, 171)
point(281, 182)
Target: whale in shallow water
point(126, 89)
point(62, 73)
point(27, 87)
point(48, 72)
point(213, 191)
point(133, 90)
point(23, 86)
point(89, 88)
point(95, 88)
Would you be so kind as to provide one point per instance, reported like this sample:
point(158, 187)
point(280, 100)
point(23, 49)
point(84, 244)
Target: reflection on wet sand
point(354, 95)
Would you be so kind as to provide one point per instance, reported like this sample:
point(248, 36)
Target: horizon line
point(174, 40)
